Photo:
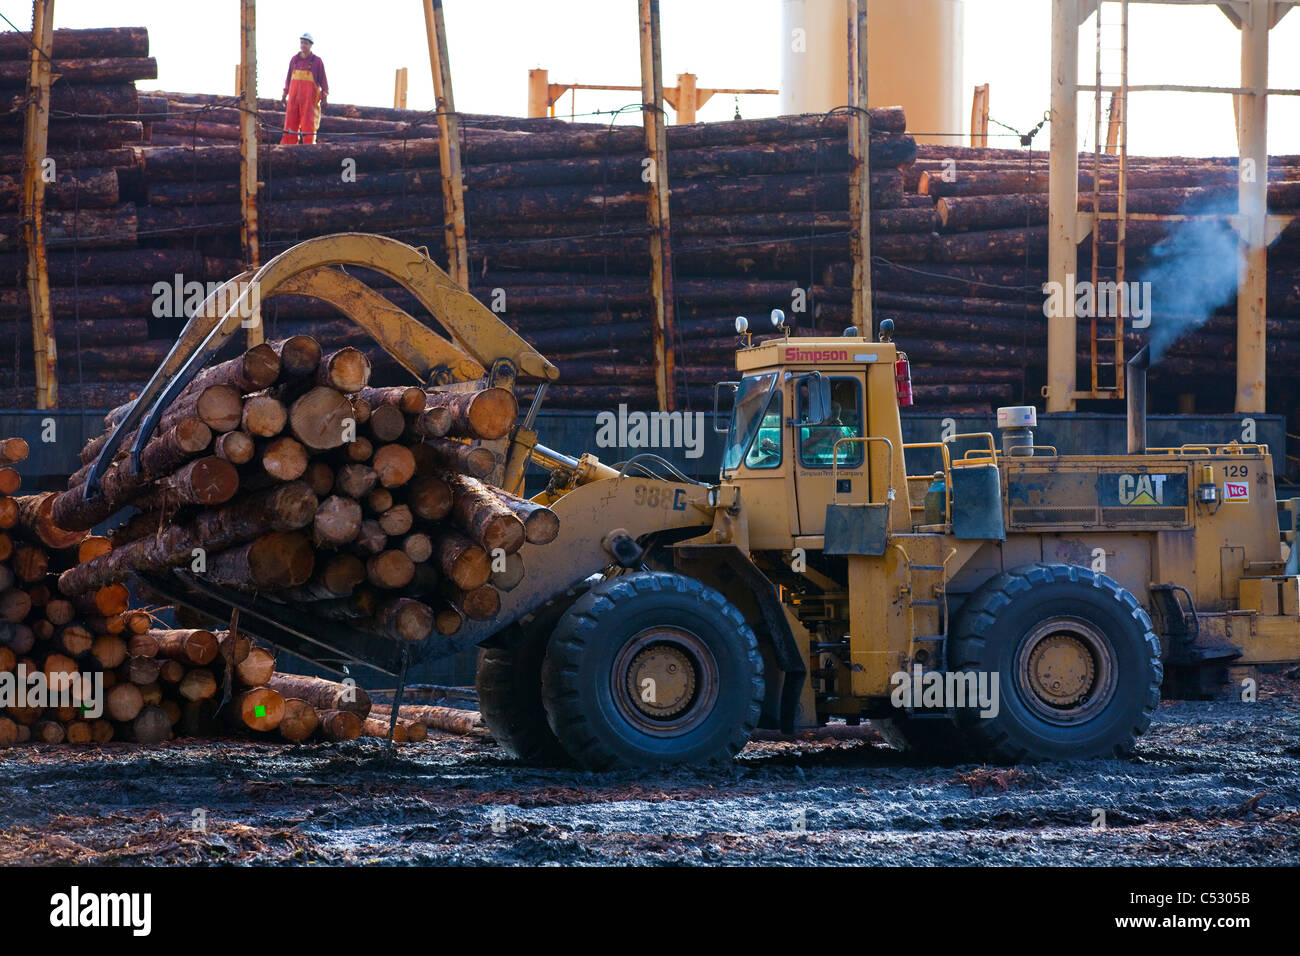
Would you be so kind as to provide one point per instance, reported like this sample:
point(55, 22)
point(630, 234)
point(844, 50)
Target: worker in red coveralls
point(306, 89)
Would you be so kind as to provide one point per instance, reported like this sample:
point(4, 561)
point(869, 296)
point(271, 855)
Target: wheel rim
point(1065, 670)
point(664, 681)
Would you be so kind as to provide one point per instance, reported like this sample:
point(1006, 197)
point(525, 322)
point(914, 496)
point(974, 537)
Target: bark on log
point(482, 516)
point(323, 694)
point(474, 460)
point(188, 645)
point(488, 414)
point(275, 560)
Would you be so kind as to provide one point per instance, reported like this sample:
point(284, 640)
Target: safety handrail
point(835, 464)
point(946, 461)
point(1227, 448)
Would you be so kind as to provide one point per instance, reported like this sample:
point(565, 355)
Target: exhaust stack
point(1135, 388)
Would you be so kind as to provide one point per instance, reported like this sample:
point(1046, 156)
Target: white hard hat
point(307, 37)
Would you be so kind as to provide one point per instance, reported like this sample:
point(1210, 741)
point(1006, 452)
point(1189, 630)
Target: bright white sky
point(729, 43)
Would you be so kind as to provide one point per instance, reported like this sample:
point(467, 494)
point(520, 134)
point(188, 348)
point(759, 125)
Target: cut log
point(14, 450)
point(235, 447)
point(418, 547)
point(541, 525)
point(197, 684)
point(408, 399)
point(323, 694)
point(284, 507)
point(479, 604)
point(429, 423)
point(340, 725)
point(386, 423)
point(264, 415)
point(299, 355)
point(189, 646)
point(92, 547)
point(283, 458)
point(359, 450)
point(187, 438)
point(35, 516)
point(124, 702)
point(320, 476)
point(487, 414)
point(109, 650)
point(337, 521)
point(355, 480)
point(300, 720)
point(255, 669)
point(346, 369)
point(474, 460)
point(47, 732)
point(393, 464)
point(384, 729)
point(260, 708)
point(206, 481)
point(449, 720)
point(405, 619)
point(142, 645)
point(397, 520)
point(379, 500)
point(318, 419)
point(482, 516)
point(461, 560)
point(140, 671)
point(390, 569)
point(151, 726)
point(371, 538)
point(429, 497)
point(275, 560)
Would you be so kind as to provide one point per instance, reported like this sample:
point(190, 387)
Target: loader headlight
point(742, 325)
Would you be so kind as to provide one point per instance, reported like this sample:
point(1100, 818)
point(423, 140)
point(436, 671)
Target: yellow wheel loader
point(1004, 602)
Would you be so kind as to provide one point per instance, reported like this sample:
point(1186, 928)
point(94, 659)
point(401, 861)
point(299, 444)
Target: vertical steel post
point(1252, 203)
point(1063, 204)
point(248, 231)
point(453, 184)
point(860, 169)
point(35, 139)
point(656, 172)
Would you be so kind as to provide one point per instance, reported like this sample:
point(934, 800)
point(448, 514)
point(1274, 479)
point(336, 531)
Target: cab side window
point(817, 442)
point(765, 452)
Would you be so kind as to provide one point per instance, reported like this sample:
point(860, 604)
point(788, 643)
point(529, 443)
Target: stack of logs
point(91, 175)
point(977, 303)
point(83, 667)
point(280, 472)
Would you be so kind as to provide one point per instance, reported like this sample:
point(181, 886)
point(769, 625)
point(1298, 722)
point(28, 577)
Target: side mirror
point(819, 399)
point(717, 395)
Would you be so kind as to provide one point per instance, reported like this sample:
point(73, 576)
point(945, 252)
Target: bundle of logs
point(556, 224)
point(977, 302)
point(85, 667)
point(280, 472)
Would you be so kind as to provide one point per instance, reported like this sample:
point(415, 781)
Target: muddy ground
point(1211, 783)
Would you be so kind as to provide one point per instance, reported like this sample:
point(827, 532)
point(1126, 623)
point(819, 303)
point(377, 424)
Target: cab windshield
point(751, 402)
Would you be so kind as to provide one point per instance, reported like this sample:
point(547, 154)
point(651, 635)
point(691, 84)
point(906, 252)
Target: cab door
point(815, 448)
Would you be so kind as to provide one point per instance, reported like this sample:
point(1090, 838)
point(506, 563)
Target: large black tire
point(509, 683)
point(705, 655)
point(1077, 663)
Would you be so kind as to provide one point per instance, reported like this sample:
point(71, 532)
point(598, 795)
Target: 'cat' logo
point(1142, 489)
